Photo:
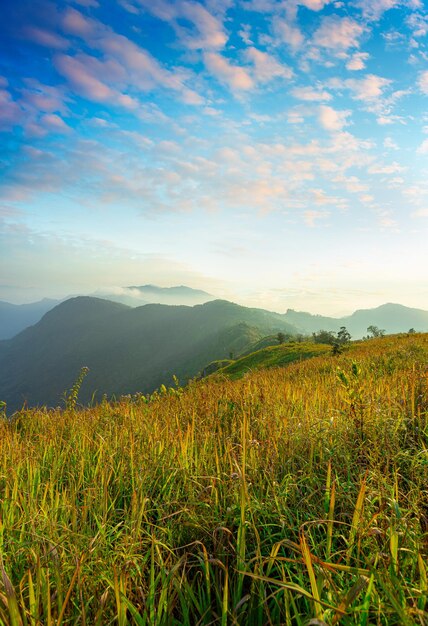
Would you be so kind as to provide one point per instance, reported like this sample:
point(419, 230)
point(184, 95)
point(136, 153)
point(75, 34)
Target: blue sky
point(271, 152)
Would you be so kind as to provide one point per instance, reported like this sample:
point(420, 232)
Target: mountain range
point(126, 349)
point(136, 349)
point(16, 317)
point(392, 318)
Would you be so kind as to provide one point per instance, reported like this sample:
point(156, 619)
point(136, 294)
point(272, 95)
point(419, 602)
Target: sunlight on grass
point(292, 494)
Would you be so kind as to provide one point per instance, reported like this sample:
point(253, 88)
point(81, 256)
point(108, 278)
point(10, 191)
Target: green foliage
point(325, 337)
point(374, 331)
point(295, 495)
point(72, 396)
point(343, 336)
point(281, 337)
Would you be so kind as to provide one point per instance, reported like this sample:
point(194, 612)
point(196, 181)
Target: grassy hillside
point(272, 356)
point(290, 495)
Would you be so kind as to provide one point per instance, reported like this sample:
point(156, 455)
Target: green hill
point(126, 349)
point(272, 356)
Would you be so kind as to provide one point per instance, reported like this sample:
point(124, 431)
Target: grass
point(292, 496)
point(272, 356)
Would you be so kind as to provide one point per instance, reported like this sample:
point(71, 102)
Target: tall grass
point(292, 496)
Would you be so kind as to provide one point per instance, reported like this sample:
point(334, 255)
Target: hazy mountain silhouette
point(127, 349)
point(138, 295)
point(393, 318)
point(16, 317)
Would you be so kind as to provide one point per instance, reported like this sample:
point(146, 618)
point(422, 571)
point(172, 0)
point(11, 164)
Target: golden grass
point(292, 494)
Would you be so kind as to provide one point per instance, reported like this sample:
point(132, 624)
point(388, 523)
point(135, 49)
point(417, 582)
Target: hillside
point(393, 318)
point(272, 356)
point(126, 349)
point(295, 495)
point(15, 317)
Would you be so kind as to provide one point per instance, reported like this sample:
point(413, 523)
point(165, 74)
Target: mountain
point(16, 317)
point(393, 318)
point(135, 295)
point(127, 349)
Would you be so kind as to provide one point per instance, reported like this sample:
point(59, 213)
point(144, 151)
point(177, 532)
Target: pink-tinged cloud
point(266, 67)
point(337, 33)
point(46, 38)
point(331, 119)
point(423, 82)
point(43, 98)
point(209, 35)
point(368, 88)
point(10, 113)
point(314, 5)
point(357, 61)
point(75, 23)
point(83, 81)
point(311, 217)
point(289, 34)
point(309, 94)
point(124, 63)
point(206, 31)
point(55, 123)
point(235, 77)
point(374, 9)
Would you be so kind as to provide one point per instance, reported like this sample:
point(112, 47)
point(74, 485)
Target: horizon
point(270, 153)
point(102, 296)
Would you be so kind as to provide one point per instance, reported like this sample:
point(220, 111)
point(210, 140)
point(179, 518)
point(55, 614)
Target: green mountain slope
point(126, 349)
point(272, 356)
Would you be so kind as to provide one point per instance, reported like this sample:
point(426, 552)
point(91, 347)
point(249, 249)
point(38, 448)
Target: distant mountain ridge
point(15, 317)
point(393, 318)
point(138, 295)
point(127, 349)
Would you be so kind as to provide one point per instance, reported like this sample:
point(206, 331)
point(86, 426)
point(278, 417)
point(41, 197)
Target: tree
point(324, 336)
point(281, 338)
point(411, 331)
point(343, 336)
point(374, 331)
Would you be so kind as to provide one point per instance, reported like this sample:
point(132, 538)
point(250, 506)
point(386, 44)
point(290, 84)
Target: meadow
point(295, 496)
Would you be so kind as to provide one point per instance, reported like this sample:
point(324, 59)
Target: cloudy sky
point(273, 152)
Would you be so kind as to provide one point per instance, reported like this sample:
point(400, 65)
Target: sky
point(271, 152)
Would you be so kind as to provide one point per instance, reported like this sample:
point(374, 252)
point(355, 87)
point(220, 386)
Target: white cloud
point(235, 77)
point(206, 31)
point(393, 168)
point(266, 67)
point(374, 9)
point(310, 94)
point(423, 82)
point(357, 61)
point(289, 33)
point(331, 119)
point(311, 217)
point(390, 144)
point(423, 148)
point(368, 88)
point(338, 33)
